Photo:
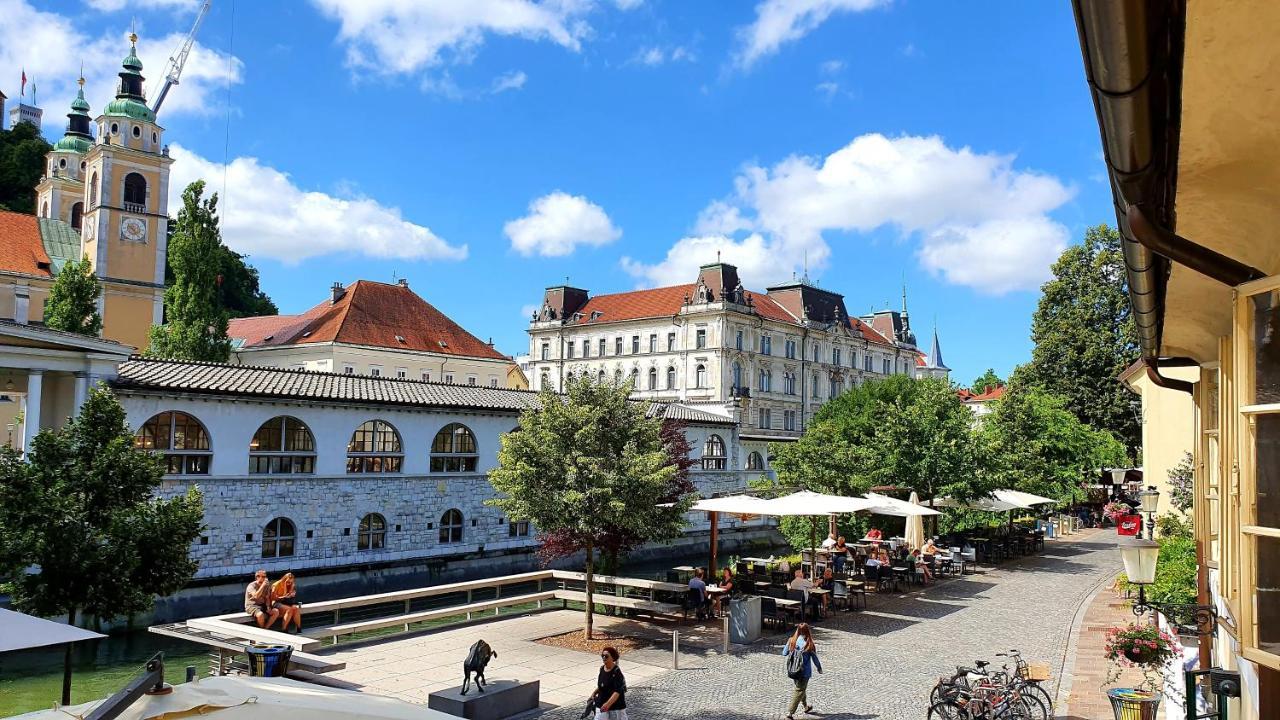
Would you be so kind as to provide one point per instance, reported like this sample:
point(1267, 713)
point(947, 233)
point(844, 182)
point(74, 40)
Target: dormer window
point(306, 334)
point(444, 344)
point(137, 131)
point(400, 339)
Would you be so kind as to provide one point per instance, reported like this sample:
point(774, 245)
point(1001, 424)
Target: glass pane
point(286, 547)
point(362, 542)
point(268, 436)
point(1267, 448)
point(1266, 338)
point(1211, 400)
point(1267, 600)
point(298, 437)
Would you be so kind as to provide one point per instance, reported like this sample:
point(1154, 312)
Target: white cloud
point(654, 56)
point(266, 214)
point(527, 311)
point(38, 41)
point(558, 223)
point(757, 261)
point(781, 21)
point(628, 4)
point(650, 56)
point(116, 5)
point(404, 36)
point(979, 221)
point(508, 81)
point(831, 67)
point(828, 88)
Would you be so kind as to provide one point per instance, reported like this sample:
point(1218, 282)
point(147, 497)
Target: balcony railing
point(135, 207)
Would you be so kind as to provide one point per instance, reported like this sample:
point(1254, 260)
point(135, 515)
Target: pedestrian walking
point(802, 657)
point(610, 696)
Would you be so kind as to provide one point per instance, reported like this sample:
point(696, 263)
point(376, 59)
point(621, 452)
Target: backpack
point(795, 664)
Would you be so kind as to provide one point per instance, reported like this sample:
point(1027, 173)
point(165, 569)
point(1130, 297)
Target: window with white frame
point(671, 378)
point(653, 343)
point(766, 418)
point(766, 345)
point(790, 347)
point(737, 340)
point(600, 346)
point(713, 455)
point(568, 349)
point(635, 344)
point(671, 342)
point(653, 378)
point(700, 376)
point(700, 338)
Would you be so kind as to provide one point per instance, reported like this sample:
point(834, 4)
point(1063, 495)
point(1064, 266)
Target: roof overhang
point(1186, 115)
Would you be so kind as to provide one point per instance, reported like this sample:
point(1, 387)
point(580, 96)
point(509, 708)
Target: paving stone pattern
point(882, 662)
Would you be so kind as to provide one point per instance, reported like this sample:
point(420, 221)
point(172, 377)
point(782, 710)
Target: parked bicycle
point(1005, 694)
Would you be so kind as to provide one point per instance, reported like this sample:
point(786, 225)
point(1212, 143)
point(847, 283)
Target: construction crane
point(179, 58)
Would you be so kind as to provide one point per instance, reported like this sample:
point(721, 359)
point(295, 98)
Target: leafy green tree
point(587, 464)
point(1033, 443)
point(82, 510)
point(1084, 337)
point(195, 326)
point(896, 431)
point(22, 153)
point(1181, 479)
point(239, 287)
point(73, 300)
point(988, 379)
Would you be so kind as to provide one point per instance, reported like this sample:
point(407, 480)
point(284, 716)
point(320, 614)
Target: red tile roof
point(987, 395)
point(667, 301)
point(21, 247)
point(368, 313)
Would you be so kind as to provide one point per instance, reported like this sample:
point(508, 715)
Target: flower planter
point(1139, 656)
point(1133, 704)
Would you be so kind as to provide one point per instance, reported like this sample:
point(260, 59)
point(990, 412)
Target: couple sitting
point(265, 601)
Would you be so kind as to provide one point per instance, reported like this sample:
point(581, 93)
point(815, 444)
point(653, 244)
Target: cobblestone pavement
point(882, 662)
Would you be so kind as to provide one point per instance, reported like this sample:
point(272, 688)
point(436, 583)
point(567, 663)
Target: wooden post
point(715, 542)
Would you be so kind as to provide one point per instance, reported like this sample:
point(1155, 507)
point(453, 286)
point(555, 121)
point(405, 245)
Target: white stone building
point(375, 329)
point(767, 360)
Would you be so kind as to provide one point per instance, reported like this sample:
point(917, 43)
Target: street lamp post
point(1149, 501)
point(1140, 557)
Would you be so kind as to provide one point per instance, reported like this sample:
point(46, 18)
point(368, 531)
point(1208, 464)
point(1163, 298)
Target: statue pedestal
point(500, 699)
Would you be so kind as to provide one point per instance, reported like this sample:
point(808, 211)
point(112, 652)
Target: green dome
point(130, 108)
point(80, 104)
point(131, 61)
point(73, 143)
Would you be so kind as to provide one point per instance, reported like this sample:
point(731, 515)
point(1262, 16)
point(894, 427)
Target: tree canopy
point(1084, 337)
point(239, 287)
point(81, 510)
point(22, 153)
point(1033, 443)
point(988, 379)
point(195, 324)
point(586, 465)
point(73, 300)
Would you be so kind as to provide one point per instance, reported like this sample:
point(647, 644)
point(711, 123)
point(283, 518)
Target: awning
point(19, 631)
point(250, 698)
point(885, 505)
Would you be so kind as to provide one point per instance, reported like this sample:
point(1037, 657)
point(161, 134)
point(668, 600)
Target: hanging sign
point(1129, 525)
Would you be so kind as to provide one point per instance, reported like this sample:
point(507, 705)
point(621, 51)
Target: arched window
point(135, 192)
point(181, 438)
point(374, 448)
point(766, 381)
point(671, 378)
point(653, 378)
point(713, 454)
point(451, 526)
point(617, 377)
point(372, 534)
point(454, 450)
point(737, 375)
point(44, 210)
point(278, 537)
point(700, 376)
point(283, 445)
point(93, 189)
point(77, 215)
point(545, 382)
point(755, 461)
point(601, 377)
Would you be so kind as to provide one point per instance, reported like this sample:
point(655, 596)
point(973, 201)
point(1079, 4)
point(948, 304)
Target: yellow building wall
point(127, 317)
point(1168, 428)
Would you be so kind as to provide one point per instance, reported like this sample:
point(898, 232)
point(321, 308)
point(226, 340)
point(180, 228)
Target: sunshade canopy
point(1022, 499)
point(19, 631)
point(885, 505)
point(914, 531)
point(806, 502)
point(250, 698)
point(736, 504)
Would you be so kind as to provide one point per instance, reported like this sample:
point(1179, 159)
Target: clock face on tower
point(133, 229)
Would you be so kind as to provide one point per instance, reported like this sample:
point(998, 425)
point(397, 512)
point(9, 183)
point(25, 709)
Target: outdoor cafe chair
point(769, 611)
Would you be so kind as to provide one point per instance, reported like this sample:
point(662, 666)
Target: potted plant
point(1115, 510)
point(1147, 648)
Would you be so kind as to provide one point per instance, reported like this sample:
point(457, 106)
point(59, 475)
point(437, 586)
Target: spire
point(130, 96)
point(935, 353)
point(77, 137)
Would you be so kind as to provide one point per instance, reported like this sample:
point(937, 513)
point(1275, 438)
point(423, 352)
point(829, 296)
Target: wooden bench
point(338, 630)
point(336, 606)
point(239, 626)
point(298, 660)
point(651, 607)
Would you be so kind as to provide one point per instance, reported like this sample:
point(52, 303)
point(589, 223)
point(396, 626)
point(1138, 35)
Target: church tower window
point(135, 193)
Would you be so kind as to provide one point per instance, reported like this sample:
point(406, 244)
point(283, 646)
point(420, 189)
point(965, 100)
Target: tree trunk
point(591, 584)
point(66, 662)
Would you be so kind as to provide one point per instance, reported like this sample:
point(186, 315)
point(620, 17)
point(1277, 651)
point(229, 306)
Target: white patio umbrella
point(250, 698)
point(19, 631)
point(735, 504)
point(814, 505)
point(914, 534)
point(1022, 499)
point(987, 504)
point(885, 505)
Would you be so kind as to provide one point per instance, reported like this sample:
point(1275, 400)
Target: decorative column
point(81, 390)
point(31, 416)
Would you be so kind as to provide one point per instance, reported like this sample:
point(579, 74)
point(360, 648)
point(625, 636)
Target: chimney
point(336, 293)
point(404, 283)
point(21, 303)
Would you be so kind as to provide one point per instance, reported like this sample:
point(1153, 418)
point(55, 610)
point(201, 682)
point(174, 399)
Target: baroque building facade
point(767, 360)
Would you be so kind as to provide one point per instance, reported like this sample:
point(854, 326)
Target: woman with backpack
point(801, 656)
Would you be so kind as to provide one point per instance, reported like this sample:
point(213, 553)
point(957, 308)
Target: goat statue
point(477, 658)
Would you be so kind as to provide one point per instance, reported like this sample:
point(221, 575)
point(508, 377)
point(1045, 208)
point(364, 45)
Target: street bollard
point(675, 650)
point(725, 648)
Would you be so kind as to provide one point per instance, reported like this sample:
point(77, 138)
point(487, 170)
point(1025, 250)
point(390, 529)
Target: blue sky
point(489, 148)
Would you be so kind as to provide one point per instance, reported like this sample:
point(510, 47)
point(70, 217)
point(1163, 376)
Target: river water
point(32, 679)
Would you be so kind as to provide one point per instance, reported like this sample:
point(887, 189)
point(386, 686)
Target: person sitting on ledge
point(258, 603)
point(285, 593)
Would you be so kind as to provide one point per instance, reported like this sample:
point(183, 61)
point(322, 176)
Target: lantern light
point(1140, 561)
point(1149, 499)
point(1118, 475)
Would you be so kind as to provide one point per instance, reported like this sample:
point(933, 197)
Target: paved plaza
point(880, 662)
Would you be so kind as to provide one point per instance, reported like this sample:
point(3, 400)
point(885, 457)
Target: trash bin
point(1131, 704)
point(268, 660)
point(744, 620)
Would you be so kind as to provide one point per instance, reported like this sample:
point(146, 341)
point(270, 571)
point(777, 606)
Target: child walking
point(801, 655)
